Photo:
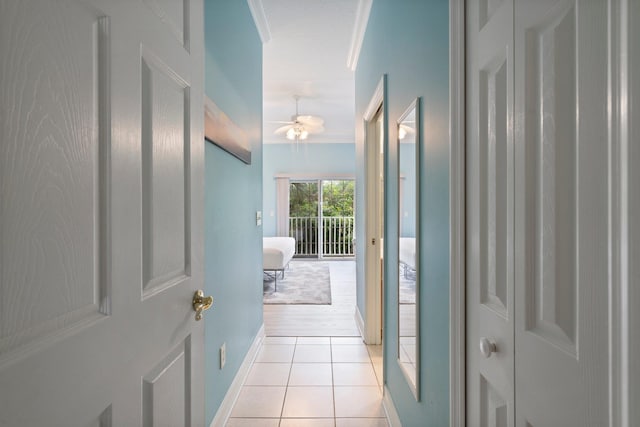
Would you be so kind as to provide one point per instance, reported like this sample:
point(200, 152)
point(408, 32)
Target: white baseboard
point(359, 322)
point(222, 416)
point(390, 409)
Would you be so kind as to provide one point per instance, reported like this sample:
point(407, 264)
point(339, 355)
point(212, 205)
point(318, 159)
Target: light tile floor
point(312, 381)
point(311, 369)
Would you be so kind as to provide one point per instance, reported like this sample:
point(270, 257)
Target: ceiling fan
point(300, 127)
point(405, 129)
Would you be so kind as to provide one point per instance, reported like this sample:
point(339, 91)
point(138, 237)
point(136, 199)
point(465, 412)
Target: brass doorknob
point(201, 303)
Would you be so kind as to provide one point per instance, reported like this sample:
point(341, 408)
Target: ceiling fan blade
point(408, 128)
point(310, 120)
point(289, 122)
point(282, 129)
point(314, 129)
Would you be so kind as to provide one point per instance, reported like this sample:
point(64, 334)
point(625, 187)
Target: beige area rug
point(304, 282)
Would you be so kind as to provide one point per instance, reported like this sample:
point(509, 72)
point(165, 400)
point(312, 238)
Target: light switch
point(258, 218)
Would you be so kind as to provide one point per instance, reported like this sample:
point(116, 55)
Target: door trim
point(373, 289)
point(457, 208)
point(623, 160)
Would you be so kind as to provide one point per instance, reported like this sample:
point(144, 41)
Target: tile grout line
point(333, 383)
point(373, 365)
point(286, 389)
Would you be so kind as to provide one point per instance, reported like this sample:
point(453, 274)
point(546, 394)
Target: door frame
point(373, 323)
point(624, 234)
point(457, 209)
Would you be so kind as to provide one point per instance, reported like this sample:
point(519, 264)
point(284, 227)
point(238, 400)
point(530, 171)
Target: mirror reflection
point(408, 280)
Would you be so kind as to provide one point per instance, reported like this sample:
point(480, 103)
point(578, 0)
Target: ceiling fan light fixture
point(300, 127)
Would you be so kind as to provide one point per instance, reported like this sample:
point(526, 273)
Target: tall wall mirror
point(408, 282)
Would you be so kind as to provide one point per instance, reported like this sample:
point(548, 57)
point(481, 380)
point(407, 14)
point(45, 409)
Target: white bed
point(276, 254)
point(407, 255)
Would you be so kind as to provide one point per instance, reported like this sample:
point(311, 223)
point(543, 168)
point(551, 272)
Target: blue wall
point(408, 41)
point(305, 159)
point(233, 194)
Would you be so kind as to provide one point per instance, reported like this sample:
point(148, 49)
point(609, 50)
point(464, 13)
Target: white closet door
point(538, 224)
point(562, 194)
point(490, 211)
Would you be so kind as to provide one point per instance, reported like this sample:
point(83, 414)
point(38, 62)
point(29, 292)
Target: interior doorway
point(320, 218)
point(376, 141)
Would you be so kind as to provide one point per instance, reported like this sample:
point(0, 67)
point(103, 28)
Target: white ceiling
point(308, 44)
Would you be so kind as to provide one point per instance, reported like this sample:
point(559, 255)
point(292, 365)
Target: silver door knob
point(487, 347)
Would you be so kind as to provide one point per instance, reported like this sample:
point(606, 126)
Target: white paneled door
point(490, 303)
point(562, 262)
point(538, 191)
point(101, 200)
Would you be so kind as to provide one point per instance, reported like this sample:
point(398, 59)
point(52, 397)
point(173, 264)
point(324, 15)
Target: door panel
point(494, 407)
point(495, 181)
point(52, 223)
point(551, 97)
point(164, 389)
point(101, 185)
point(165, 139)
point(175, 14)
point(561, 198)
point(490, 394)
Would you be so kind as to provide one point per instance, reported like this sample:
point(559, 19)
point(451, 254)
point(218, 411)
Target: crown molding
point(359, 28)
point(260, 18)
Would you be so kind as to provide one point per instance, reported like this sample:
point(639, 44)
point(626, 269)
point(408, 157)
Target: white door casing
point(375, 124)
point(490, 293)
point(101, 218)
point(625, 205)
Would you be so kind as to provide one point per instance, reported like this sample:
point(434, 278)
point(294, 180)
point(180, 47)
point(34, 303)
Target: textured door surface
point(101, 175)
point(538, 212)
point(562, 194)
point(490, 208)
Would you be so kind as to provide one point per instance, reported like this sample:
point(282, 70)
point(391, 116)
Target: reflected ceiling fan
point(300, 127)
point(406, 129)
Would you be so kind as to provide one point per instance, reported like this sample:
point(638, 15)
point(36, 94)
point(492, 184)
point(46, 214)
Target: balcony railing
point(336, 239)
point(305, 231)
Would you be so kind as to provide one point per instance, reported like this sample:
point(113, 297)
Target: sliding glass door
point(304, 203)
point(321, 217)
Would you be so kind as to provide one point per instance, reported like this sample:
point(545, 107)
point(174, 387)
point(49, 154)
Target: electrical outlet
point(223, 355)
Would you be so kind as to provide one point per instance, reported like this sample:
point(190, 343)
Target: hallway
point(312, 381)
point(313, 369)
